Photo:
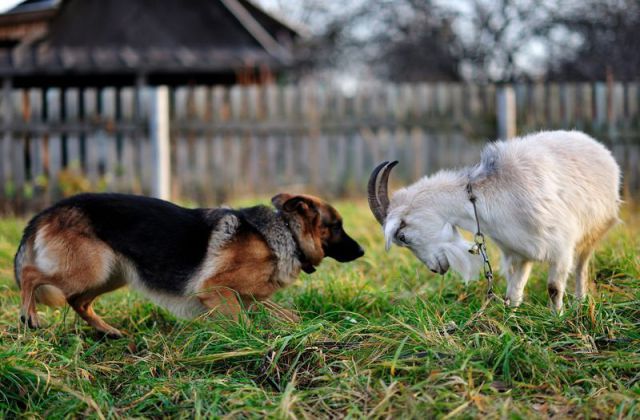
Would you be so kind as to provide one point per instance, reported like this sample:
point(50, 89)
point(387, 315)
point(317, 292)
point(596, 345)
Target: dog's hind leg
point(30, 279)
point(82, 304)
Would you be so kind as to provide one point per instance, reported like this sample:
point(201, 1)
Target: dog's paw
point(281, 313)
point(114, 334)
point(287, 315)
point(111, 333)
point(31, 321)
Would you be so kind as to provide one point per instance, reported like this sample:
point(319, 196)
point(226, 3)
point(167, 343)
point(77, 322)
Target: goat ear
point(390, 229)
point(488, 167)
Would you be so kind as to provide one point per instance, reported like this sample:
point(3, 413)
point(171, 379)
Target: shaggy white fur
point(546, 197)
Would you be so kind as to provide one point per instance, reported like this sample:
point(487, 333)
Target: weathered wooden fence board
point(228, 141)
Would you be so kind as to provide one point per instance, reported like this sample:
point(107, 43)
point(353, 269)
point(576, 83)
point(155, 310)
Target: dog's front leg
point(281, 313)
point(222, 300)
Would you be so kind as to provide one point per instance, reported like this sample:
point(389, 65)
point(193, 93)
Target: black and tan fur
point(188, 260)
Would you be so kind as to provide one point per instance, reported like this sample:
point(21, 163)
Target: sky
point(8, 4)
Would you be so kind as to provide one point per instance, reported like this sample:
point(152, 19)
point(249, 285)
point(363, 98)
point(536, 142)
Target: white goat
point(548, 197)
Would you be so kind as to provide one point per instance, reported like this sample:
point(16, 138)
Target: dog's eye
point(335, 228)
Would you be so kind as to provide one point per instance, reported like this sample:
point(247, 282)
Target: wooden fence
point(260, 139)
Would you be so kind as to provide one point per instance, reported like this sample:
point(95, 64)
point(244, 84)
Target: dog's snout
point(353, 252)
point(344, 250)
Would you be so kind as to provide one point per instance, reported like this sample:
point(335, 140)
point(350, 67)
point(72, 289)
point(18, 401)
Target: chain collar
point(479, 247)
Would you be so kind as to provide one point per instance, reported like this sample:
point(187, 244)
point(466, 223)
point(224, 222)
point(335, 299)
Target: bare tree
point(608, 42)
point(326, 27)
point(499, 38)
point(480, 40)
point(410, 40)
point(416, 43)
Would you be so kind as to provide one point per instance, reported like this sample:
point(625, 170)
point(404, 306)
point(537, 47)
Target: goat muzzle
point(378, 190)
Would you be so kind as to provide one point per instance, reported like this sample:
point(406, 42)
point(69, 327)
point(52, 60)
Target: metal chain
point(479, 247)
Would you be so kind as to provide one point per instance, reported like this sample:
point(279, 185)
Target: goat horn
point(374, 203)
point(383, 186)
point(379, 197)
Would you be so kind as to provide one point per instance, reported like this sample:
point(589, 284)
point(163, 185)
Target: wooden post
point(159, 130)
point(601, 105)
point(5, 143)
point(138, 107)
point(140, 139)
point(506, 110)
point(72, 112)
point(18, 146)
point(54, 147)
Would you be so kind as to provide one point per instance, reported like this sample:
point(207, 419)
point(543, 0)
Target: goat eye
point(400, 236)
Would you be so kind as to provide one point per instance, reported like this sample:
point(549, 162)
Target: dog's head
point(317, 228)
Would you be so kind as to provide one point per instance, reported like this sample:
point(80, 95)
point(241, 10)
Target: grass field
point(380, 337)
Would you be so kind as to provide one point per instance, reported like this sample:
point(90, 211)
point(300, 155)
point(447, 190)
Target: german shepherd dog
point(187, 260)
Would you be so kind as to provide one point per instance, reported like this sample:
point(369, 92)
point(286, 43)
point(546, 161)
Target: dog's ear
point(293, 203)
point(278, 200)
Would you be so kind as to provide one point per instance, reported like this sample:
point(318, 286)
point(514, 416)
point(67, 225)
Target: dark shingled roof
point(122, 36)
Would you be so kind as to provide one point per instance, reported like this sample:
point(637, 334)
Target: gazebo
point(140, 42)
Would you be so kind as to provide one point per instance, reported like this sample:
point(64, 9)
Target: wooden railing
point(241, 140)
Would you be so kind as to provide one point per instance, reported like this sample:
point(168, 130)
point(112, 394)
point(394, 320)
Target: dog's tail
point(18, 260)
point(46, 294)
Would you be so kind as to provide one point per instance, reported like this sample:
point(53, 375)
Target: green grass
point(380, 337)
